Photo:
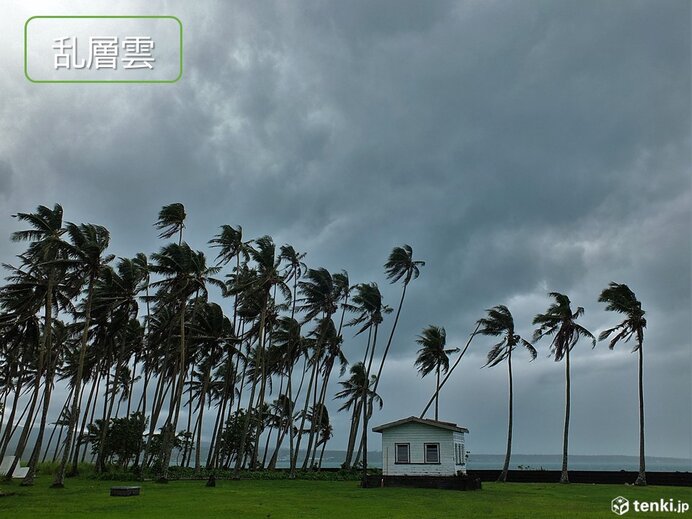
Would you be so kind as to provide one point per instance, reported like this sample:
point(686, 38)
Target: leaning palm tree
point(39, 285)
point(355, 389)
point(370, 308)
point(560, 322)
point(399, 266)
point(185, 274)
point(434, 357)
point(230, 243)
point(88, 242)
point(500, 323)
point(619, 298)
point(320, 300)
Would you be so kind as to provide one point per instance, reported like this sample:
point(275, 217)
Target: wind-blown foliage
point(500, 323)
point(559, 321)
point(159, 351)
point(619, 298)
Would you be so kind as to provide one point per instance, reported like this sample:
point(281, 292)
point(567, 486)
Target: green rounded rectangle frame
point(180, 74)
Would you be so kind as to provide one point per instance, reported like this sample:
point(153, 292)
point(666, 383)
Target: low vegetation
point(85, 497)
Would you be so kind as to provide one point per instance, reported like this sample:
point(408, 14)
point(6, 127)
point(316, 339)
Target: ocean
point(333, 459)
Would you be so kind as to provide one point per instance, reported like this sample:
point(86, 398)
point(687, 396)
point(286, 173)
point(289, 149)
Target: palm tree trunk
point(246, 423)
point(56, 425)
point(213, 454)
point(200, 417)
point(92, 415)
point(33, 461)
point(389, 341)
point(313, 421)
point(368, 406)
point(564, 477)
point(294, 460)
point(172, 421)
point(352, 437)
point(321, 401)
point(3, 405)
point(324, 445)
point(92, 392)
point(641, 478)
point(57, 446)
point(47, 389)
point(449, 373)
point(187, 451)
point(437, 394)
point(505, 467)
point(44, 349)
point(291, 446)
point(260, 408)
point(364, 444)
point(59, 481)
point(9, 428)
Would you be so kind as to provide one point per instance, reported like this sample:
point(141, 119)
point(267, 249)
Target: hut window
point(402, 453)
point(432, 453)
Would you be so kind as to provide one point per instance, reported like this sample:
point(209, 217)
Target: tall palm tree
point(619, 298)
point(399, 266)
point(264, 281)
point(368, 304)
point(45, 249)
point(212, 333)
point(320, 299)
point(559, 321)
point(185, 274)
point(500, 323)
point(290, 344)
point(434, 357)
point(231, 245)
point(356, 388)
point(118, 334)
point(88, 242)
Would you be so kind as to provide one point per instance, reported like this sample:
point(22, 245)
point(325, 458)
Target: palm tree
point(185, 274)
point(433, 356)
point(560, 322)
point(257, 296)
point(118, 335)
point(500, 323)
point(399, 266)
point(213, 333)
point(290, 345)
point(619, 298)
point(230, 243)
point(356, 388)
point(40, 285)
point(367, 302)
point(320, 298)
point(87, 260)
point(171, 221)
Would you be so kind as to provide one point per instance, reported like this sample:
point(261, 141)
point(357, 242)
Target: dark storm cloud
point(520, 147)
point(5, 178)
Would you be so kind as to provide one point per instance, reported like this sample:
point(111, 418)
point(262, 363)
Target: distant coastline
point(538, 461)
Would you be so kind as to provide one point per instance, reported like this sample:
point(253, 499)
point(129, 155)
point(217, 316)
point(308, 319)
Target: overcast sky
point(520, 147)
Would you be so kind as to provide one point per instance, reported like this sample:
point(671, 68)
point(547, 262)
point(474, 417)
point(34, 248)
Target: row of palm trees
point(142, 335)
point(560, 323)
point(146, 326)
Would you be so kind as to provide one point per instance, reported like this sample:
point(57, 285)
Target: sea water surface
point(333, 459)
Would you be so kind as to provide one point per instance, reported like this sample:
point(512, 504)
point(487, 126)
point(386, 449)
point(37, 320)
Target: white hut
point(419, 447)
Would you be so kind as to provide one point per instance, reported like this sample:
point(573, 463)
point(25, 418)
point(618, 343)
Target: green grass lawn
point(320, 499)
